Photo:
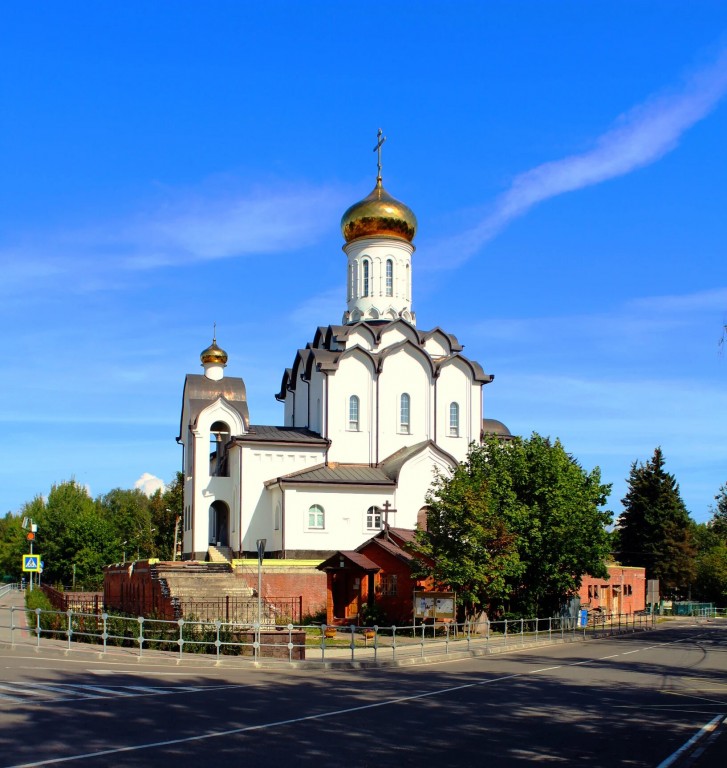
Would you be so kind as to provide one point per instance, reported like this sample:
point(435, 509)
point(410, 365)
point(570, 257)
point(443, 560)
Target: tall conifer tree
point(654, 528)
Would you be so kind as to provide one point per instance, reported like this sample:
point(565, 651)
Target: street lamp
point(123, 544)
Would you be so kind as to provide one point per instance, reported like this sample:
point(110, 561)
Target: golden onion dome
point(377, 215)
point(213, 354)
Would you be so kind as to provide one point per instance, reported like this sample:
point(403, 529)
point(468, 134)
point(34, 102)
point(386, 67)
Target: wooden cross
point(386, 506)
point(380, 143)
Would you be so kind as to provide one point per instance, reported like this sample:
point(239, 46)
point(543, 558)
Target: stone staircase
point(219, 554)
point(203, 586)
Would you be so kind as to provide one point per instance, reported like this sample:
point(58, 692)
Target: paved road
point(630, 701)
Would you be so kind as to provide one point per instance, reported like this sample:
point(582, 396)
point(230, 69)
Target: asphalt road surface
point(632, 701)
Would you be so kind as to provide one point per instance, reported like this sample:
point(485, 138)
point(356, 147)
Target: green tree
point(165, 508)
point(73, 529)
point(718, 523)
point(128, 512)
point(541, 510)
point(559, 521)
point(466, 546)
point(654, 529)
point(13, 545)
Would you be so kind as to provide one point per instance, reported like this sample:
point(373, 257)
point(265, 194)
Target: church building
point(372, 407)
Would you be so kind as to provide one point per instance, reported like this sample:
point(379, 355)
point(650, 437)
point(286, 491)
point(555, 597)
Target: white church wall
point(397, 334)
point(344, 517)
point(300, 407)
point(404, 371)
point(316, 393)
point(415, 480)
point(354, 377)
point(360, 339)
point(454, 385)
point(438, 345)
point(258, 502)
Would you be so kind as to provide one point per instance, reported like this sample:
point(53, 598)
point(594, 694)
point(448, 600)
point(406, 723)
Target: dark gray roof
point(266, 434)
point(356, 558)
point(200, 391)
point(337, 474)
point(328, 348)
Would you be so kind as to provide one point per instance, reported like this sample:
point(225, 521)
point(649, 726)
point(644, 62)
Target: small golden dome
point(213, 354)
point(377, 215)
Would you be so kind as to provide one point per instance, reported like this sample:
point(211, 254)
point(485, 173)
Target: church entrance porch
point(350, 578)
point(219, 524)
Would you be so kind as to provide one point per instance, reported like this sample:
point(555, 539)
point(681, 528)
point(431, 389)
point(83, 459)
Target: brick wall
point(292, 581)
point(623, 592)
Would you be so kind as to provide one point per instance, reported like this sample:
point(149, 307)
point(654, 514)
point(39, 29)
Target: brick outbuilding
point(379, 571)
point(624, 591)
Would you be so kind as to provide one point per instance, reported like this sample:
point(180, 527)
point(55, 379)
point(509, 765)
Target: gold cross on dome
point(380, 143)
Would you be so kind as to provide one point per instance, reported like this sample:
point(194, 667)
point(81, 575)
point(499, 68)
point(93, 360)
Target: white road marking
point(703, 731)
point(309, 718)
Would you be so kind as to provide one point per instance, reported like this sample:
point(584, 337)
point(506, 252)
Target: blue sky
point(169, 165)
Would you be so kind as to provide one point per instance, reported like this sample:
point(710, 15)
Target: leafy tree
point(718, 523)
point(654, 529)
point(165, 508)
point(129, 512)
point(13, 546)
point(517, 522)
point(466, 545)
point(72, 529)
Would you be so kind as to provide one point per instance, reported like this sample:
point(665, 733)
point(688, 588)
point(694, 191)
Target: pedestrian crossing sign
point(31, 563)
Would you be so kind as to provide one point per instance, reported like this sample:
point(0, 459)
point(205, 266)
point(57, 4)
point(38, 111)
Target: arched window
point(454, 420)
point(219, 435)
point(373, 519)
point(316, 517)
point(353, 403)
point(389, 277)
point(404, 414)
point(365, 286)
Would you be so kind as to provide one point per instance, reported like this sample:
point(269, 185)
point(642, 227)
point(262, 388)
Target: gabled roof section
point(395, 541)
point(408, 344)
point(199, 392)
point(353, 558)
point(392, 465)
point(478, 373)
point(265, 434)
point(284, 384)
point(336, 474)
point(449, 338)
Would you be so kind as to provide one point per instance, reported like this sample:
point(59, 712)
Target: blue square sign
point(31, 563)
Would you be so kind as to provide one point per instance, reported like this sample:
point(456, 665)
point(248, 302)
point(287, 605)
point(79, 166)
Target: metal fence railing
point(296, 642)
point(244, 610)
point(7, 588)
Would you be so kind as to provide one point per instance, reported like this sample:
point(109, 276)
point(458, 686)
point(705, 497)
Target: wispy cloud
point(638, 138)
point(261, 221)
point(640, 329)
point(187, 227)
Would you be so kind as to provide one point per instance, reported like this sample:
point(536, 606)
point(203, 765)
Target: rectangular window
point(388, 584)
point(404, 407)
point(453, 420)
point(373, 519)
point(353, 404)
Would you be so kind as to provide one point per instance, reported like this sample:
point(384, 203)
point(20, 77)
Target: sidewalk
point(14, 623)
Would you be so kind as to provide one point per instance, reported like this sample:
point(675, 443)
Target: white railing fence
point(293, 642)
